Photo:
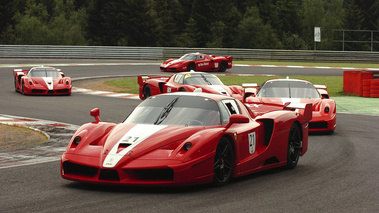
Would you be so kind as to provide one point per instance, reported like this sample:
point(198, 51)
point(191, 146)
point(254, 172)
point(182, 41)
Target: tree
point(354, 20)
point(253, 33)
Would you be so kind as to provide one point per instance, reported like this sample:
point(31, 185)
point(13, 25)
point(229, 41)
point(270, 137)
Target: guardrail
point(162, 53)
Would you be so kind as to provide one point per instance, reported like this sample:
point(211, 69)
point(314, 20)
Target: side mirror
point(95, 112)
point(237, 119)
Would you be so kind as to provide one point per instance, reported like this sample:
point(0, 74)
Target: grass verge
point(14, 137)
point(334, 83)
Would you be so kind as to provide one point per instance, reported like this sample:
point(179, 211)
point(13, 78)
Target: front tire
point(146, 92)
point(294, 147)
point(223, 66)
point(191, 66)
point(223, 162)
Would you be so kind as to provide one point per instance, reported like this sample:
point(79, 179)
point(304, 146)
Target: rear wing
point(323, 90)
point(305, 109)
point(15, 71)
point(249, 89)
point(142, 79)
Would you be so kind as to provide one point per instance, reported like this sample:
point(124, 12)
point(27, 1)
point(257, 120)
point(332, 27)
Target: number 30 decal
point(252, 142)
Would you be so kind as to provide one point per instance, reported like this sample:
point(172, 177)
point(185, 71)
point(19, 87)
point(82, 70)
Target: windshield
point(201, 79)
point(177, 111)
point(288, 89)
point(189, 57)
point(44, 72)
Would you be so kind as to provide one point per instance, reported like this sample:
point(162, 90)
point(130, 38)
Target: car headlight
point(77, 140)
point(187, 146)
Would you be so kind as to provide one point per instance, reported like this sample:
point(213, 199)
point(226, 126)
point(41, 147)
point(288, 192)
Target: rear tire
point(146, 92)
point(294, 147)
point(223, 162)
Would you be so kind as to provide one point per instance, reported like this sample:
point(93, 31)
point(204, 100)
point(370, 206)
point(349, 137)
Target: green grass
point(334, 83)
point(311, 64)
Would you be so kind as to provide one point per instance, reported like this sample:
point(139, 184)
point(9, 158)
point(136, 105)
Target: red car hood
point(136, 140)
point(174, 62)
point(48, 82)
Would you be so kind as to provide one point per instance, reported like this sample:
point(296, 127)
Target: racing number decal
point(168, 89)
point(130, 139)
point(252, 142)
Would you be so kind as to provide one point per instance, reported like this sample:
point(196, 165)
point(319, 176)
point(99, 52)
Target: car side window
point(200, 57)
point(227, 108)
point(178, 79)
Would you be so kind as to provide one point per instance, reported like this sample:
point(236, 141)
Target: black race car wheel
point(223, 66)
point(294, 147)
point(191, 66)
point(146, 92)
point(223, 162)
point(23, 88)
point(182, 90)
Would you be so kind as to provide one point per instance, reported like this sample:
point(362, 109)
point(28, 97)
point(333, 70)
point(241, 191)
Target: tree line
point(253, 24)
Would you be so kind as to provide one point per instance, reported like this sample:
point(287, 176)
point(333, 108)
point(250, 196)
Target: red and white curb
point(104, 93)
point(59, 135)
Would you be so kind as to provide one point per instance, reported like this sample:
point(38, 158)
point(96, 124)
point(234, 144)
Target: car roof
point(42, 67)
point(288, 79)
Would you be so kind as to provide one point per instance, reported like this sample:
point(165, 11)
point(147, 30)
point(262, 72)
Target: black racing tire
point(223, 163)
point(146, 92)
point(223, 66)
point(294, 146)
point(182, 90)
point(23, 88)
point(191, 66)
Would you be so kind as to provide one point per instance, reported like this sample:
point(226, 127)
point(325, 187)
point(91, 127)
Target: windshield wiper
point(166, 110)
point(205, 79)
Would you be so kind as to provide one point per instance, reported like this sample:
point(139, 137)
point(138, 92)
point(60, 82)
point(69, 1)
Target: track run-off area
point(338, 173)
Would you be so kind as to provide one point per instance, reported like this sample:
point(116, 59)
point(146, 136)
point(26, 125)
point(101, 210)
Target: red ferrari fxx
point(198, 62)
point(42, 81)
point(272, 94)
point(184, 139)
point(186, 82)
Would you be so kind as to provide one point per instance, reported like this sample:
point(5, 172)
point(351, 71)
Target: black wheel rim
point(191, 67)
point(223, 67)
point(146, 92)
point(223, 164)
point(294, 147)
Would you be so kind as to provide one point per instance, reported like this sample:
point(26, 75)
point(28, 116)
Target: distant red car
point(42, 81)
point(186, 82)
point(198, 62)
point(185, 139)
point(275, 93)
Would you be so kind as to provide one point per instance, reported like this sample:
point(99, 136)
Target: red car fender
point(283, 121)
point(236, 89)
point(202, 143)
point(328, 103)
point(90, 133)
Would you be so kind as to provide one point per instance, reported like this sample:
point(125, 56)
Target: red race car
point(41, 81)
point(272, 94)
point(184, 139)
point(198, 62)
point(186, 82)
